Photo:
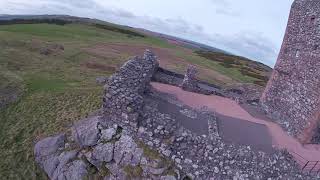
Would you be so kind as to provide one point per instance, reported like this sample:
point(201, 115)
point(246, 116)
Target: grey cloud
point(226, 12)
point(251, 45)
point(77, 3)
point(220, 2)
point(223, 7)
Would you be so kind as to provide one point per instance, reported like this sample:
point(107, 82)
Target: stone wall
point(124, 90)
point(189, 82)
point(167, 77)
point(292, 95)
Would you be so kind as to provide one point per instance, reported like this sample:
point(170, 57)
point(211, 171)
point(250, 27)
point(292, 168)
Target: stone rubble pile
point(155, 145)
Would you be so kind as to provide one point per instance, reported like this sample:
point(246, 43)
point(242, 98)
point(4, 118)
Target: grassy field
point(60, 88)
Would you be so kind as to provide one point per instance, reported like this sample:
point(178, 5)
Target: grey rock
point(74, 171)
point(168, 178)
point(63, 159)
point(137, 154)
point(50, 164)
point(101, 80)
point(103, 152)
point(48, 146)
point(124, 149)
point(107, 134)
point(86, 132)
point(156, 171)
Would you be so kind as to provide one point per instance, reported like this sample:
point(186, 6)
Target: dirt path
point(230, 108)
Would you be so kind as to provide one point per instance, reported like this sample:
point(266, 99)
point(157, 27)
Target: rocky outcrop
point(86, 132)
point(57, 162)
point(114, 154)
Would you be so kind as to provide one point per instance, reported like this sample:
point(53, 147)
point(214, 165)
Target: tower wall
point(292, 95)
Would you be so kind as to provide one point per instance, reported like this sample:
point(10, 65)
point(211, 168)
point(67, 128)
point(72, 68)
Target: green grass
point(229, 72)
point(58, 89)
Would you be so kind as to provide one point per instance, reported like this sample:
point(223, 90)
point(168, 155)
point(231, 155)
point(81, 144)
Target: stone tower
point(292, 96)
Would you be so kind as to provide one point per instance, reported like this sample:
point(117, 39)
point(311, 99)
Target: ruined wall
point(189, 82)
point(123, 92)
point(292, 95)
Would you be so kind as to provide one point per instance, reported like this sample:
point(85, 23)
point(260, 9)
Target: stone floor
point(241, 132)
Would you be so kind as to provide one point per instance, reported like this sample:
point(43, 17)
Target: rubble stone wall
point(123, 92)
point(292, 95)
point(189, 82)
point(167, 77)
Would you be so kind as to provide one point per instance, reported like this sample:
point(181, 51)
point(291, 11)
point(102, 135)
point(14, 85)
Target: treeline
point(63, 22)
point(34, 21)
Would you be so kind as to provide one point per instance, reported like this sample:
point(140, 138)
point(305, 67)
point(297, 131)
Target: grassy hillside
point(52, 66)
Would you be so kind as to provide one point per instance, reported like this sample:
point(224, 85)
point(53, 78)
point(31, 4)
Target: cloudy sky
point(250, 28)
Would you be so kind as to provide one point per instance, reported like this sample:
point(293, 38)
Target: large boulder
point(73, 171)
point(127, 151)
point(86, 132)
point(49, 146)
point(57, 163)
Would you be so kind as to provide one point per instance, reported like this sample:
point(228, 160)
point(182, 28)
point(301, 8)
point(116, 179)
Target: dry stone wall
point(292, 95)
point(124, 90)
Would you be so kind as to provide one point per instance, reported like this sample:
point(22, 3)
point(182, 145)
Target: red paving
point(228, 107)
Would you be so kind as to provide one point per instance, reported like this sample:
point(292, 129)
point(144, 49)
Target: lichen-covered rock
point(49, 146)
point(107, 134)
point(74, 171)
point(62, 160)
point(103, 152)
point(168, 178)
point(86, 132)
point(57, 163)
point(125, 150)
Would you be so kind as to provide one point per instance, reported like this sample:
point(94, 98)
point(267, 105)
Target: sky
point(249, 28)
